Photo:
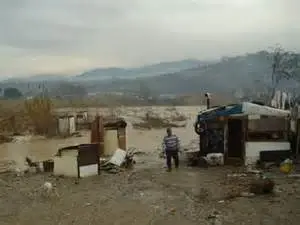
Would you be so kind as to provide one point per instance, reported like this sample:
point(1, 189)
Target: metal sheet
point(118, 157)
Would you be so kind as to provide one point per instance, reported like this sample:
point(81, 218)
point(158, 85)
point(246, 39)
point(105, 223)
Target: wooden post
point(298, 136)
point(295, 117)
point(207, 96)
point(122, 138)
point(207, 103)
point(101, 135)
point(95, 130)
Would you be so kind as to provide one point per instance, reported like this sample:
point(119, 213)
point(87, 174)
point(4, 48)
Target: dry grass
point(39, 111)
point(12, 118)
point(33, 115)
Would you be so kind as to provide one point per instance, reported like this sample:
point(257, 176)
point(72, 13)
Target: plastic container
point(286, 166)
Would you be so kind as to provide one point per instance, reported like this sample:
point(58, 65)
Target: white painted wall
point(66, 164)
point(63, 125)
point(72, 125)
point(252, 149)
point(89, 170)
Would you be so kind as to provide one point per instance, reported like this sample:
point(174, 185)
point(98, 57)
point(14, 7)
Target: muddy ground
point(146, 195)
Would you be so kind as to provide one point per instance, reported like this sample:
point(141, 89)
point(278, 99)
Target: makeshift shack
point(244, 133)
point(66, 125)
point(77, 161)
point(110, 134)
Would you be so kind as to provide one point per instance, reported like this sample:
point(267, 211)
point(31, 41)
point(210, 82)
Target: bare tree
point(285, 65)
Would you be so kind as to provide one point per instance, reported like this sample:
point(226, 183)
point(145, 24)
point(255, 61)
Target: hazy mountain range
point(250, 71)
point(117, 73)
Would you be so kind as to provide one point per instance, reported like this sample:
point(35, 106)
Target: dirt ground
point(145, 195)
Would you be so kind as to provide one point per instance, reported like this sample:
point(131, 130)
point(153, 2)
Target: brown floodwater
point(39, 148)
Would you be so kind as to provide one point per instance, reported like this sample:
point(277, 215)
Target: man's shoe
point(169, 170)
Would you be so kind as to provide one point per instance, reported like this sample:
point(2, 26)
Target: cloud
point(72, 35)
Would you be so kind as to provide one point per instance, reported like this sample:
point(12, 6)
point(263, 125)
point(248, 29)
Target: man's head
point(169, 131)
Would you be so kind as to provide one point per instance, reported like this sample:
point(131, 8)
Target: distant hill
point(247, 72)
point(144, 71)
point(114, 72)
point(37, 78)
point(241, 74)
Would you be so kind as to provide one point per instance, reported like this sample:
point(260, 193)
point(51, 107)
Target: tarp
point(245, 108)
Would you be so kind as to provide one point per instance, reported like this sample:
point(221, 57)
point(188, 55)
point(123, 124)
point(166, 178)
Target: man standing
point(171, 147)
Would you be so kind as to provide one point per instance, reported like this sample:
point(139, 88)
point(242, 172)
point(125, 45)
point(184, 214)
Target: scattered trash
point(215, 159)
point(286, 166)
point(172, 210)
point(19, 172)
point(120, 159)
point(247, 194)
point(254, 171)
point(214, 218)
point(48, 186)
point(237, 175)
point(48, 189)
point(213, 215)
point(277, 190)
point(34, 167)
point(76, 134)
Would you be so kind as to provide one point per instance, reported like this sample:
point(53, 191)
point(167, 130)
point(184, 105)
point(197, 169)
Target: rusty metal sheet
point(88, 154)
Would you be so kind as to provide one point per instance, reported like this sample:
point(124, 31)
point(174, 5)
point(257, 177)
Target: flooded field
point(40, 148)
point(144, 195)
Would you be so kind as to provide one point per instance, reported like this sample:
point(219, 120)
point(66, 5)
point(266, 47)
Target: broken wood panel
point(268, 124)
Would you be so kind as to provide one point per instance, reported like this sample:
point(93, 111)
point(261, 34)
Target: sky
point(70, 36)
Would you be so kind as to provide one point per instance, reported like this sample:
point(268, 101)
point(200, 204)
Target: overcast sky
point(68, 36)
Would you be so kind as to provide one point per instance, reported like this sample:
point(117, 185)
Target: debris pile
point(7, 166)
point(215, 159)
point(120, 160)
point(153, 120)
